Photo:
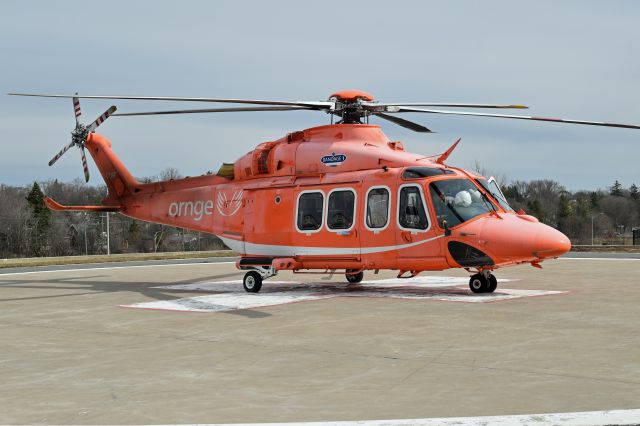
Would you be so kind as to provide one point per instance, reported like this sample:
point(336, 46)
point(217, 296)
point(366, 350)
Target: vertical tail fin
point(119, 180)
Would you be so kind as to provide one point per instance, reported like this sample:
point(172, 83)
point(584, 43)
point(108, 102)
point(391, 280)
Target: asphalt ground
point(71, 354)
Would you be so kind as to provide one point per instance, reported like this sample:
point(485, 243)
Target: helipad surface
point(122, 345)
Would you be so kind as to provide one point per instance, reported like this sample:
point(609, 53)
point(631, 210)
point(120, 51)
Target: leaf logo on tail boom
point(228, 206)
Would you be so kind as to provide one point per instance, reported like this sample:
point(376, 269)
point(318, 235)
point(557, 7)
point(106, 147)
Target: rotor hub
point(79, 134)
point(348, 105)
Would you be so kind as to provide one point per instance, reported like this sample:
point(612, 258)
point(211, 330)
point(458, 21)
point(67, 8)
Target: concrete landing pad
point(70, 354)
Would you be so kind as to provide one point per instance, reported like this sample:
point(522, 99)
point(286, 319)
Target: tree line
point(606, 215)
point(29, 229)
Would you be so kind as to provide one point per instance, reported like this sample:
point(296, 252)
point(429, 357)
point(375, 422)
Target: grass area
point(72, 260)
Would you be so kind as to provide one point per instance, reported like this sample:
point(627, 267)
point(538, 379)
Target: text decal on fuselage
point(333, 159)
point(227, 205)
point(193, 209)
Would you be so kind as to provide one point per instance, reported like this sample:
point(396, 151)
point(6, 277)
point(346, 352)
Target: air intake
point(465, 255)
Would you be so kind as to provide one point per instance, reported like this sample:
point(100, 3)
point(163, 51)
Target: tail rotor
point(80, 134)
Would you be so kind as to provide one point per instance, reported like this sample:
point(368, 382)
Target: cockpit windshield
point(492, 187)
point(458, 200)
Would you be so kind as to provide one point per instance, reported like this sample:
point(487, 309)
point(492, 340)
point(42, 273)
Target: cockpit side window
point(411, 210)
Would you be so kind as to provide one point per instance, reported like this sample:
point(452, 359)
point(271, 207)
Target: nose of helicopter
point(549, 242)
point(514, 238)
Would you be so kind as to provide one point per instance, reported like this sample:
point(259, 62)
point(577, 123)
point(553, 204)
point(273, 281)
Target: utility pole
point(108, 245)
point(86, 245)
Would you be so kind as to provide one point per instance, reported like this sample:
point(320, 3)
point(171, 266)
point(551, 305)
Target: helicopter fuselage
point(340, 197)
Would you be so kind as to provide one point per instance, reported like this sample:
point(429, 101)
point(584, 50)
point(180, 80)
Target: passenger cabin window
point(377, 208)
point(340, 209)
point(411, 211)
point(310, 206)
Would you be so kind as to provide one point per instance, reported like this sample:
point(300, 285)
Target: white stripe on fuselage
point(279, 250)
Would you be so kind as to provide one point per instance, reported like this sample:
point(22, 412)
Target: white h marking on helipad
point(230, 296)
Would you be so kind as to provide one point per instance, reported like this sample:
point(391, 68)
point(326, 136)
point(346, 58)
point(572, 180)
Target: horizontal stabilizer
point(53, 205)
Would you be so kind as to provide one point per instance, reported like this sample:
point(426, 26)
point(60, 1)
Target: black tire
point(478, 283)
point(252, 282)
point(493, 284)
point(354, 278)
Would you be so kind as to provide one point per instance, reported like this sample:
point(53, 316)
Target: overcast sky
point(571, 59)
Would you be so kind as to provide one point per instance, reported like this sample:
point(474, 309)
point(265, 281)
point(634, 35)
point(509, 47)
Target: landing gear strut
point(252, 281)
point(483, 282)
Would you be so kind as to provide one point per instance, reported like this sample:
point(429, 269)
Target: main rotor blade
point(451, 105)
point(85, 166)
point(76, 108)
point(61, 153)
point(519, 117)
point(197, 111)
point(326, 104)
point(404, 123)
point(91, 127)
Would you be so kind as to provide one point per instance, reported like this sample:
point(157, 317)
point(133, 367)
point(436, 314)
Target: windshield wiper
point(488, 202)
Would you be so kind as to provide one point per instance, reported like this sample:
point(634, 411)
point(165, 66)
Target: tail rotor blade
point(85, 166)
point(61, 153)
point(91, 127)
point(76, 109)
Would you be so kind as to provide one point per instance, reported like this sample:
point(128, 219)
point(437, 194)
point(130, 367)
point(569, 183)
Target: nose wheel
point(483, 282)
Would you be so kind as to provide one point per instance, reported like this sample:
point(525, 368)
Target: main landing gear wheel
point(480, 283)
point(354, 278)
point(493, 283)
point(252, 282)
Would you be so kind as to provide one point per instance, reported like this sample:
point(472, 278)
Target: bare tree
point(170, 173)
point(500, 178)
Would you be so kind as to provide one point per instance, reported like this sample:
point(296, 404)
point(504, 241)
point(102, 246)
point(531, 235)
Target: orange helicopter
point(339, 197)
